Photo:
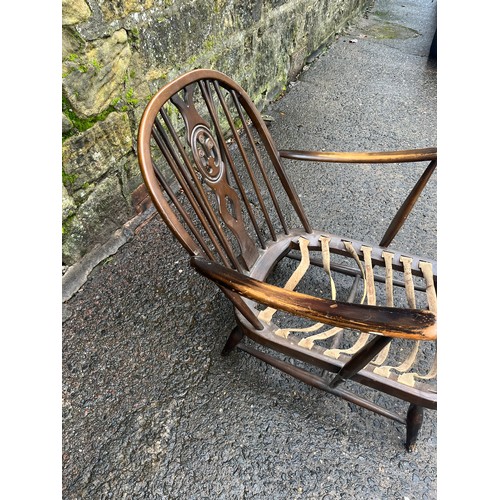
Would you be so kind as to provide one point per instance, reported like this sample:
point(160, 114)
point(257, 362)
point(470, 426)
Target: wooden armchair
point(219, 183)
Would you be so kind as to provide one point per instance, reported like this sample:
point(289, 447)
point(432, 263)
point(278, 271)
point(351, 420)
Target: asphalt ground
point(151, 409)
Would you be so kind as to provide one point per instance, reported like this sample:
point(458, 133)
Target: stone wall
point(116, 54)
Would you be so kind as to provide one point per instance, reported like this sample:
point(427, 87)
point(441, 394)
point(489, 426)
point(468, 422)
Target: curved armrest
point(387, 321)
point(412, 155)
point(406, 156)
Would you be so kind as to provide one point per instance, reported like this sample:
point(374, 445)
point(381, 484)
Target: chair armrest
point(412, 155)
point(404, 156)
point(394, 322)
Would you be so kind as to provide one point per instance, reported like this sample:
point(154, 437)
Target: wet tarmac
point(150, 408)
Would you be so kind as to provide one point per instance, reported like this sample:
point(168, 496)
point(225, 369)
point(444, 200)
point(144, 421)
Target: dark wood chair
point(219, 183)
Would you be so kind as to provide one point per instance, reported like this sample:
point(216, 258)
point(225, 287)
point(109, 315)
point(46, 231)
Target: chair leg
point(414, 419)
point(233, 340)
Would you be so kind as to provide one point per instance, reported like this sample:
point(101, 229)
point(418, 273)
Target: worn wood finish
point(410, 324)
point(415, 418)
point(218, 181)
point(404, 156)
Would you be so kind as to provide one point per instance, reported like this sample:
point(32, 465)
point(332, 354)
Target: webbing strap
point(325, 253)
point(385, 370)
point(308, 342)
point(409, 289)
point(363, 337)
point(389, 289)
point(389, 300)
point(426, 268)
point(267, 314)
point(430, 290)
point(370, 281)
point(410, 295)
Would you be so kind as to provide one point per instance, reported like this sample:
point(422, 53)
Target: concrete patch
point(390, 31)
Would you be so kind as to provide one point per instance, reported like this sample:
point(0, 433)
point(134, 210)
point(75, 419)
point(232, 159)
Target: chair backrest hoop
point(209, 158)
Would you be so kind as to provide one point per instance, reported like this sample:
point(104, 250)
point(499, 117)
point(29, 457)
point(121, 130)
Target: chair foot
point(232, 341)
point(414, 419)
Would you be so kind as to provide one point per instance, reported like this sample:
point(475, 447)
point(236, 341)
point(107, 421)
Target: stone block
point(93, 80)
point(121, 9)
point(89, 155)
point(74, 12)
point(95, 220)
